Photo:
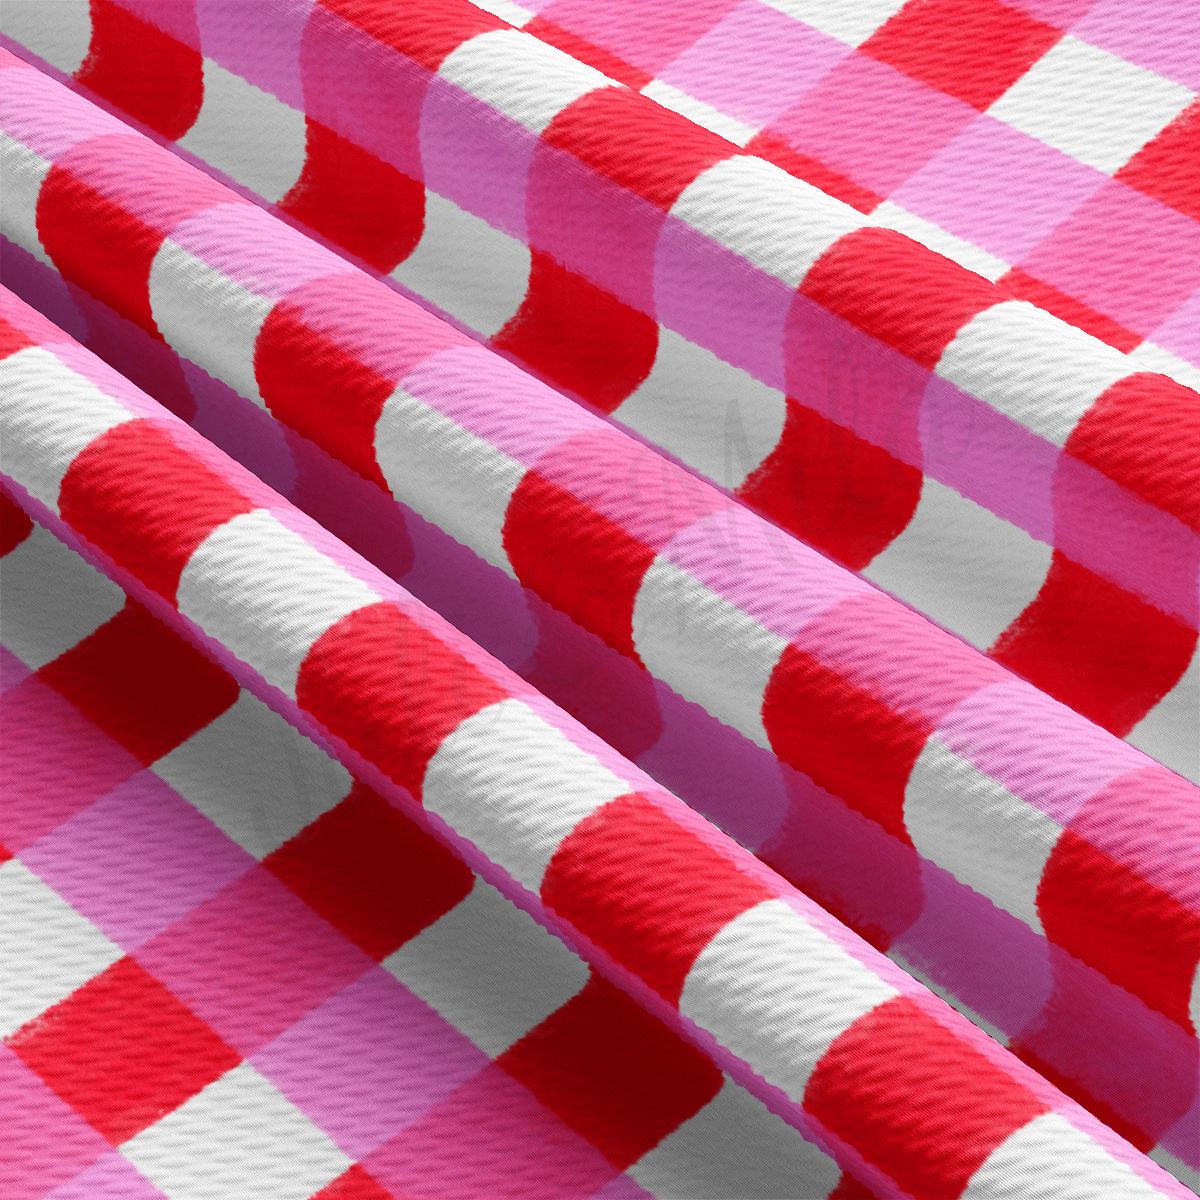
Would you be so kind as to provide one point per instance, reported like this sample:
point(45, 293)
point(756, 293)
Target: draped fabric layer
point(977, 444)
point(805, 1015)
point(552, 649)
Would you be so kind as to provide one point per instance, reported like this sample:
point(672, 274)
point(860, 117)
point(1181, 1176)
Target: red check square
point(123, 1051)
point(973, 49)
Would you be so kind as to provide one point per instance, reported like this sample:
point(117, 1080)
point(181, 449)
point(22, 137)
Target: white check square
point(237, 1137)
point(1090, 104)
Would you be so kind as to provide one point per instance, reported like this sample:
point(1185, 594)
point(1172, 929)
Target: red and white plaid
point(868, 710)
point(955, 431)
point(238, 971)
point(945, 431)
point(808, 1018)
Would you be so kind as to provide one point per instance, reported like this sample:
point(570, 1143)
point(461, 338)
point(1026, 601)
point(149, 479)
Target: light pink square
point(261, 44)
point(999, 188)
point(989, 458)
point(873, 123)
point(1125, 254)
point(137, 860)
point(648, 36)
point(1180, 332)
point(1045, 755)
point(109, 1178)
point(464, 140)
point(717, 299)
point(369, 1062)
point(1060, 13)
point(1159, 36)
point(227, 236)
point(754, 63)
point(48, 127)
point(53, 763)
point(45, 1142)
point(253, 960)
point(622, 1188)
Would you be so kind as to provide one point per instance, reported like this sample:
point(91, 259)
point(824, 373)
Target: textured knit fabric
point(984, 434)
point(619, 575)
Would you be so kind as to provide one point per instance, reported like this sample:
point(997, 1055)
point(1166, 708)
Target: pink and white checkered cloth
point(629, 555)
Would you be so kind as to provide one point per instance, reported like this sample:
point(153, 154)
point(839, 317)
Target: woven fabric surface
point(805, 1015)
point(954, 435)
point(299, 990)
point(636, 632)
point(988, 827)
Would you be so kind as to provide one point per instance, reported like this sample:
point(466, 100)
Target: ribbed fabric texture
point(599, 610)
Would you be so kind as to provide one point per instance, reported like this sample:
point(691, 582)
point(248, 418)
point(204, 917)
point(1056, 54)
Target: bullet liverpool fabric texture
point(895, 368)
point(630, 553)
point(841, 1044)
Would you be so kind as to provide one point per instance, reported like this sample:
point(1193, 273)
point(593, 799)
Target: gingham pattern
point(1028, 487)
point(999, 814)
point(806, 1016)
point(1082, 115)
point(231, 970)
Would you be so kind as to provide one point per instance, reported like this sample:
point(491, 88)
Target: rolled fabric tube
point(460, 1032)
point(975, 773)
point(827, 1032)
point(931, 740)
point(1023, 484)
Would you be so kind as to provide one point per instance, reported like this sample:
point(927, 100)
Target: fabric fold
point(830, 1034)
point(164, 820)
point(1000, 815)
point(980, 458)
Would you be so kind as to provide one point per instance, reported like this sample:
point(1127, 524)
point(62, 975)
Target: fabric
point(951, 434)
point(855, 675)
point(300, 976)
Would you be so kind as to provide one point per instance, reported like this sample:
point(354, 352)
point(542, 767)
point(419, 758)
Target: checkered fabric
point(994, 815)
point(752, 976)
point(1048, 145)
point(620, 196)
point(306, 892)
point(238, 972)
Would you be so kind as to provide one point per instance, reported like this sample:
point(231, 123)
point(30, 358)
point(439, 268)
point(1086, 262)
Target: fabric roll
point(599, 600)
point(1000, 814)
point(826, 1031)
point(621, 226)
point(299, 987)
